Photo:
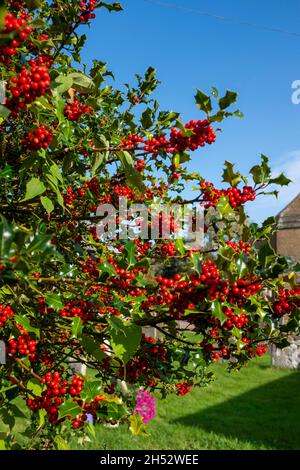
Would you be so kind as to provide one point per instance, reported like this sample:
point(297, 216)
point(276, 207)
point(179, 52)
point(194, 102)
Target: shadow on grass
point(267, 416)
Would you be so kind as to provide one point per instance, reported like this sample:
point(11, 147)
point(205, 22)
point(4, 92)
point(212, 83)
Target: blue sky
point(190, 50)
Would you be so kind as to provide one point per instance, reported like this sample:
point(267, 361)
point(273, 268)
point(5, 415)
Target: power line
point(221, 18)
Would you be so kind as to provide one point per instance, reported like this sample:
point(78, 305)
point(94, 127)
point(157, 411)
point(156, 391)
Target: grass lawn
point(256, 408)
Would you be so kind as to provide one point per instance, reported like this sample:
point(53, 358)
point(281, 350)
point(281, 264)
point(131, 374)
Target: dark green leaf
point(203, 101)
point(228, 99)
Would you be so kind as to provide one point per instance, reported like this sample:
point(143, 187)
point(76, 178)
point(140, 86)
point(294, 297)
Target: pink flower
point(145, 405)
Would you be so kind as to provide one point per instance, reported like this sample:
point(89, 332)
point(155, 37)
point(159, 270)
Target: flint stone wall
point(286, 242)
point(288, 357)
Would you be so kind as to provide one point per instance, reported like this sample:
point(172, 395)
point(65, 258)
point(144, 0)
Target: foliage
point(69, 142)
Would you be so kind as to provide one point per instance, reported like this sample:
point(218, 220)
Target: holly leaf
point(77, 327)
point(125, 340)
point(203, 101)
point(68, 408)
point(229, 175)
point(217, 311)
point(132, 175)
point(54, 301)
point(130, 247)
point(229, 98)
point(61, 444)
point(281, 180)
point(47, 204)
point(25, 323)
point(92, 348)
point(137, 427)
point(34, 188)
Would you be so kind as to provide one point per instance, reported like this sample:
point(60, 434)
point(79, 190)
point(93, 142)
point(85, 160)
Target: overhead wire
point(222, 18)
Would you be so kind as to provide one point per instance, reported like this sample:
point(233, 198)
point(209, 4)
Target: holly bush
point(141, 315)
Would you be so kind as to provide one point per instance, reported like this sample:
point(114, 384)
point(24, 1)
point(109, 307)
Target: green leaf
point(165, 118)
point(47, 204)
point(215, 92)
point(6, 172)
point(3, 13)
point(223, 206)
point(125, 340)
point(61, 444)
point(132, 175)
point(25, 323)
point(81, 82)
point(90, 429)
point(217, 311)
point(130, 247)
point(116, 6)
point(137, 427)
point(77, 327)
point(33, 4)
point(261, 173)
point(266, 255)
point(228, 99)
point(203, 101)
point(62, 83)
point(34, 188)
point(179, 244)
point(40, 242)
point(241, 267)
point(4, 112)
point(97, 161)
point(35, 386)
point(69, 408)
point(55, 171)
point(281, 180)
point(197, 262)
point(107, 268)
point(229, 175)
point(7, 236)
point(54, 301)
point(147, 118)
point(92, 348)
point(42, 416)
point(91, 390)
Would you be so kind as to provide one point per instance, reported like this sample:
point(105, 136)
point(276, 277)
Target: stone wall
point(288, 357)
point(286, 242)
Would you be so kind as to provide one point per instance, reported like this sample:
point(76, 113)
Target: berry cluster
point(76, 110)
point(240, 246)
point(147, 363)
point(77, 308)
point(286, 302)
point(27, 86)
point(5, 313)
point(88, 408)
point(20, 29)
point(202, 133)
point(140, 165)
point(234, 319)
point(86, 10)
point(38, 139)
point(183, 388)
point(57, 390)
point(236, 196)
point(260, 350)
point(108, 311)
point(52, 397)
point(23, 345)
point(167, 249)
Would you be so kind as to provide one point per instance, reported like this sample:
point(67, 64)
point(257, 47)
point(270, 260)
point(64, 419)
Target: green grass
point(255, 408)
